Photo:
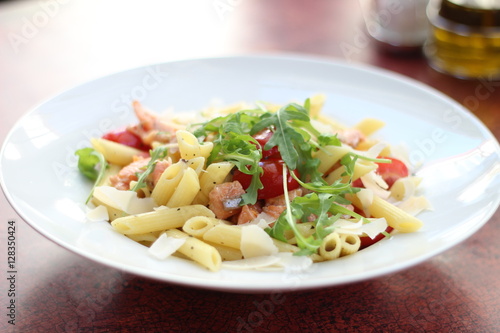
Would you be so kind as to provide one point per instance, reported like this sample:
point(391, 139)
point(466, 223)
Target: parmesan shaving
point(256, 242)
point(374, 182)
point(165, 246)
point(99, 213)
point(279, 261)
point(293, 263)
point(404, 188)
point(374, 150)
point(371, 229)
point(126, 201)
point(366, 198)
point(375, 227)
point(415, 205)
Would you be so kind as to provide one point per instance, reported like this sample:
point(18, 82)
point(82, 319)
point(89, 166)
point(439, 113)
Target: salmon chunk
point(249, 213)
point(225, 198)
point(129, 173)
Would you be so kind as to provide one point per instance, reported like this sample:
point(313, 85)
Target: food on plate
point(251, 186)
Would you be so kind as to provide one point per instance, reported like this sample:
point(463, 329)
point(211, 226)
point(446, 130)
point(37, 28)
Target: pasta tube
point(395, 216)
point(115, 153)
point(227, 235)
point(197, 250)
point(160, 219)
point(331, 246)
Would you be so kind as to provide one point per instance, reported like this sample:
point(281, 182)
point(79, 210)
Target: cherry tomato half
point(126, 138)
point(272, 179)
point(262, 138)
point(390, 172)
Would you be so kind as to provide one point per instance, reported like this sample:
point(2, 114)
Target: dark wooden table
point(49, 46)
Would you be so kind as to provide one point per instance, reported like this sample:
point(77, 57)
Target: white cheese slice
point(415, 205)
point(99, 213)
point(366, 198)
point(280, 261)
point(404, 188)
point(374, 150)
point(126, 201)
point(165, 246)
point(255, 242)
point(373, 181)
point(293, 263)
point(375, 227)
point(371, 229)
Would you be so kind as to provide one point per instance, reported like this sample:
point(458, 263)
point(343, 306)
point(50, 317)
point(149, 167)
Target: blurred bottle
point(465, 38)
point(400, 26)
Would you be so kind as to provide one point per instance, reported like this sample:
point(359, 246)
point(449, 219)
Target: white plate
point(459, 156)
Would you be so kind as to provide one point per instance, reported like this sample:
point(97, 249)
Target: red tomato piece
point(126, 138)
point(262, 138)
point(367, 241)
point(272, 179)
point(391, 172)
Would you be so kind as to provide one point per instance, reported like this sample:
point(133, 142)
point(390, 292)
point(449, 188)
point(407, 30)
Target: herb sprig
point(156, 154)
point(92, 165)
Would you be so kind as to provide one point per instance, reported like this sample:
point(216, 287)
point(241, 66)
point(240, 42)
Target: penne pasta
point(227, 235)
point(197, 164)
point(189, 147)
point(361, 168)
point(215, 174)
point(186, 190)
point(159, 220)
point(227, 253)
point(329, 156)
point(197, 250)
point(369, 126)
point(198, 225)
point(115, 153)
point(395, 217)
point(168, 182)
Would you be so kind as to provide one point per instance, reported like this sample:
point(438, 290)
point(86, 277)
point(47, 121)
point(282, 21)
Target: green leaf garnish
point(156, 154)
point(92, 165)
point(233, 143)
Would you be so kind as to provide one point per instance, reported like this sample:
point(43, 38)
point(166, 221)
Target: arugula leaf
point(233, 143)
point(321, 186)
point(288, 220)
point(92, 165)
point(285, 136)
point(156, 154)
point(328, 140)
